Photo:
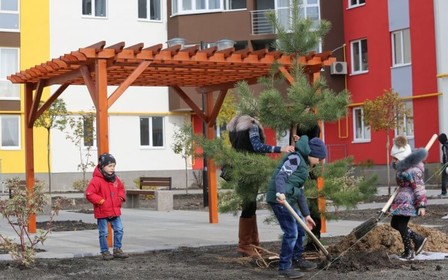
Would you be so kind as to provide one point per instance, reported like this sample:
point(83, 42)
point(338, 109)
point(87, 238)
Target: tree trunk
point(186, 176)
point(388, 161)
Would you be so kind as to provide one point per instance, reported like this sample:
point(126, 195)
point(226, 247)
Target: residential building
point(394, 44)
point(379, 45)
point(141, 125)
point(245, 25)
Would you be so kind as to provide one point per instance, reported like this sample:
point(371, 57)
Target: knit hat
point(105, 160)
point(318, 149)
point(442, 138)
point(401, 148)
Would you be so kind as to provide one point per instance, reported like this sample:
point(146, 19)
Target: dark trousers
point(444, 179)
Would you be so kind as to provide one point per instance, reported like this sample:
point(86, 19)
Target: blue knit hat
point(318, 149)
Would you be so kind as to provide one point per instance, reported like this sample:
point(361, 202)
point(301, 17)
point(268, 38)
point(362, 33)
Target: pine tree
point(302, 106)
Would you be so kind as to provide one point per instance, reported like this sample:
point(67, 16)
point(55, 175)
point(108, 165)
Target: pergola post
point(102, 124)
point(29, 152)
point(211, 168)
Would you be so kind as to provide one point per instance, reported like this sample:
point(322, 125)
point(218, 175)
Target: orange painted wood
point(211, 169)
point(208, 70)
point(321, 205)
point(29, 153)
point(102, 125)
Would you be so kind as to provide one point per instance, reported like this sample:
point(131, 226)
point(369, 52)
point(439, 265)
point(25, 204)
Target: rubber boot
point(245, 233)
point(255, 238)
point(419, 242)
point(408, 250)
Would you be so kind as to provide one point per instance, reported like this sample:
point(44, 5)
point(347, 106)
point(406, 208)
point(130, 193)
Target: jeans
point(117, 227)
point(293, 235)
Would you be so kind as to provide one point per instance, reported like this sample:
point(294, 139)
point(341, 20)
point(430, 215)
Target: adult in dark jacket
point(444, 141)
point(106, 192)
point(288, 181)
point(247, 136)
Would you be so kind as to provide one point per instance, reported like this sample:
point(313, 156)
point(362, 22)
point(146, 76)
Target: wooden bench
point(155, 182)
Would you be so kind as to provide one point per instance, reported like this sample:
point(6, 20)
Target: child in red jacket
point(106, 192)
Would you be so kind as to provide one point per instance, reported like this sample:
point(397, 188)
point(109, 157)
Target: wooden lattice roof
point(156, 66)
point(97, 67)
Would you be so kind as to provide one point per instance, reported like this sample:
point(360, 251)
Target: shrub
point(17, 210)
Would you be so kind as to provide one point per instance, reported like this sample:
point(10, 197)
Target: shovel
point(371, 223)
point(305, 227)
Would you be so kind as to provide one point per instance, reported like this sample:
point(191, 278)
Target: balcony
point(262, 25)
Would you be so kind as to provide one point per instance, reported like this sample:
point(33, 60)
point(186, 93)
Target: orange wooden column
point(211, 168)
point(321, 204)
point(29, 152)
point(102, 125)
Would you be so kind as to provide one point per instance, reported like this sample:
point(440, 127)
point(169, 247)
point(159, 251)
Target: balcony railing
point(261, 23)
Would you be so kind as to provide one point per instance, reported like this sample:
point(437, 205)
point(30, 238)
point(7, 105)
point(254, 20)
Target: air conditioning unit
point(338, 68)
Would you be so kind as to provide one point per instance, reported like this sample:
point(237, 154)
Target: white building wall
point(70, 31)
point(441, 27)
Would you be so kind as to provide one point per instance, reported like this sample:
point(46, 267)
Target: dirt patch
point(368, 258)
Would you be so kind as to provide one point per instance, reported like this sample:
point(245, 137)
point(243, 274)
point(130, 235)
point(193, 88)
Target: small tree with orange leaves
point(385, 112)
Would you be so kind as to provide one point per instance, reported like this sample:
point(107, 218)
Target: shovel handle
point(430, 142)
point(305, 227)
point(389, 202)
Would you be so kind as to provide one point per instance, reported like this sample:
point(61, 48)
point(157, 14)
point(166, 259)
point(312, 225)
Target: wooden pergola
point(97, 67)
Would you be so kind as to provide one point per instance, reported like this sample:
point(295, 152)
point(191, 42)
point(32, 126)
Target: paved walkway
point(149, 230)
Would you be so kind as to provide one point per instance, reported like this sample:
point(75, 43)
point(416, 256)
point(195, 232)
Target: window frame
point(227, 6)
point(11, 12)
point(406, 125)
point(18, 147)
point(356, 3)
point(357, 45)
point(177, 7)
point(404, 45)
point(92, 133)
point(93, 12)
point(366, 131)
point(15, 87)
point(148, 10)
point(151, 133)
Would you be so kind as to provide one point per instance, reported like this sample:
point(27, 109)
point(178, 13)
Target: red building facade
point(389, 45)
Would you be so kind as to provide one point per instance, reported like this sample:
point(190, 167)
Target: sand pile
point(385, 238)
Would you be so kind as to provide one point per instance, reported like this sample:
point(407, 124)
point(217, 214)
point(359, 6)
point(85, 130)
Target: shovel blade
point(365, 227)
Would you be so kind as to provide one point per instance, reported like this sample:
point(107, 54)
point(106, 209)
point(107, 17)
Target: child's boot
point(419, 242)
point(408, 250)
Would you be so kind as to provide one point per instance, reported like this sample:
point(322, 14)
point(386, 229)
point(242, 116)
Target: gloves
point(421, 211)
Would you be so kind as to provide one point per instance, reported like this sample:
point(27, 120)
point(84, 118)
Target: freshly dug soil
point(366, 258)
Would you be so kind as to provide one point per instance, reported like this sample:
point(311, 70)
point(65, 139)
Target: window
point(151, 132)
point(96, 8)
point(359, 56)
point(10, 132)
point(89, 128)
point(234, 4)
point(405, 125)
point(9, 15)
point(196, 6)
point(355, 3)
point(9, 64)
point(361, 129)
point(401, 47)
point(149, 9)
